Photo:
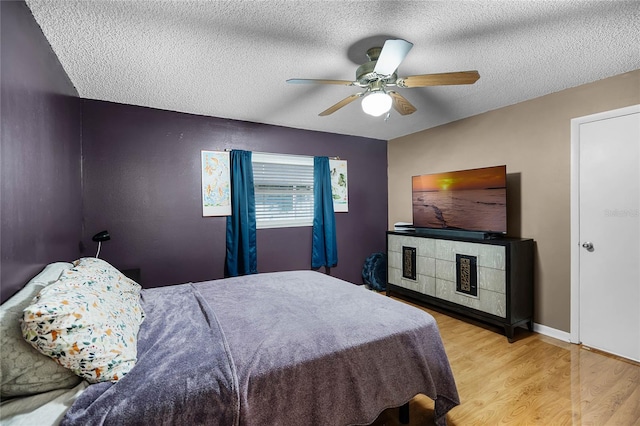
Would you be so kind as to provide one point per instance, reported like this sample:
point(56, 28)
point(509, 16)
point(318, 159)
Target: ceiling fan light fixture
point(379, 73)
point(376, 103)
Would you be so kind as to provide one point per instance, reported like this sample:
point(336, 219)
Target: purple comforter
point(286, 348)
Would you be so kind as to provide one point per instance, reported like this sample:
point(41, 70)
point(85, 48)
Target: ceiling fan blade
point(401, 104)
point(393, 53)
point(312, 81)
point(447, 78)
point(340, 104)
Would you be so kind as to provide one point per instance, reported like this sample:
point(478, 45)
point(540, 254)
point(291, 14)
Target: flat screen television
point(466, 200)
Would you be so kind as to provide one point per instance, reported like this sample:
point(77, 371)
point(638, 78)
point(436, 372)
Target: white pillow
point(87, 321)
point(24, 370)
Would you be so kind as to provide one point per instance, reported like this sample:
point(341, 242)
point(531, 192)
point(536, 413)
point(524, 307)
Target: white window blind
point(283, 187)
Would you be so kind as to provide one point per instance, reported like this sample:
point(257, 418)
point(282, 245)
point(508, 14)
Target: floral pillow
point(87, 321)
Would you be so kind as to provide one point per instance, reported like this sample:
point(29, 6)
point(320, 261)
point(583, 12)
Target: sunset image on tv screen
point(472, 200)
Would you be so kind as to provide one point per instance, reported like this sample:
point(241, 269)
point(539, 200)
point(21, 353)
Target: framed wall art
point(216, 183)
point(339, 185)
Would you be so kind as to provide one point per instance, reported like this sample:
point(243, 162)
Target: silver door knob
point(588, 246)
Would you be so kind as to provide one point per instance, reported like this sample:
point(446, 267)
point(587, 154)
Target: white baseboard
point(552, 332)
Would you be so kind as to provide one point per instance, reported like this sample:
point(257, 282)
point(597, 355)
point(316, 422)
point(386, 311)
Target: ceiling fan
point(377, 75)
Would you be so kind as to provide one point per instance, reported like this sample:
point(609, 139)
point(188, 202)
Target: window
point(283, 190)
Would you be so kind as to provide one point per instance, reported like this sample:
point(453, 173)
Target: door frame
point(575, 208)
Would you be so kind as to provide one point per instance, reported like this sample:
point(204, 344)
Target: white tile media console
point(490, 280)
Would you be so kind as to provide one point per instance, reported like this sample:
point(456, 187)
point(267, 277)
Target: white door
point(609, 233)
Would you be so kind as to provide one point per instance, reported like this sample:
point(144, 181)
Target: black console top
point(458, 235)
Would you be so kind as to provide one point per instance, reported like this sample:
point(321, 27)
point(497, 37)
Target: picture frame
point(216, 183)
point(339, 185)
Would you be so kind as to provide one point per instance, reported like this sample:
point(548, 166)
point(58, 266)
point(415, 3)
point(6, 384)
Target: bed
point(284, 348)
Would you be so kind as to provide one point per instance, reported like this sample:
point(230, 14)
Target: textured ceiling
point(230, 59)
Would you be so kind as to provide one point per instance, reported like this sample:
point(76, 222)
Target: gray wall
point(141, 181)
point(40, 196)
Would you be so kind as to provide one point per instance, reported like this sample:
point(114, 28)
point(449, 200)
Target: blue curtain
point(241, 258)
point(324, 246)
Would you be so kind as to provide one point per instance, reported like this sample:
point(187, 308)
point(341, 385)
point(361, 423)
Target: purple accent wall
point(141, 181)
point(141, 178)
point(40, 220)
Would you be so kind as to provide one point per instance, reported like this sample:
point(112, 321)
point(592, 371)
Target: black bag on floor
point(374, 271)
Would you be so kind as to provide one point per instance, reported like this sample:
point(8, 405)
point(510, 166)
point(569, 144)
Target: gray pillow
point(24, 370)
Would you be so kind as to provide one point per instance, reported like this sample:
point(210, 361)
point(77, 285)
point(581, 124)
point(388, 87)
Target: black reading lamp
point(99, 238)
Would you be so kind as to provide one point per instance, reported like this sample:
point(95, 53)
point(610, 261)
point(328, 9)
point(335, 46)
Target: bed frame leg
point(403, 414)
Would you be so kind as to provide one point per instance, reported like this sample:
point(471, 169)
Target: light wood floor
point(536, 380)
